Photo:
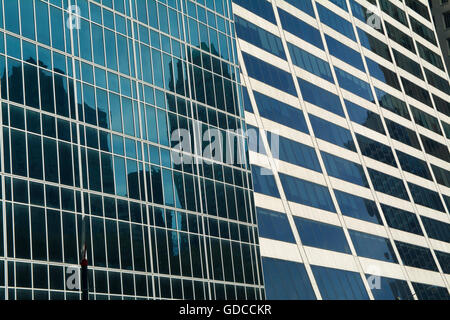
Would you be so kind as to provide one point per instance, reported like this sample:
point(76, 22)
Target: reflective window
point(357, 207)
point(259, 37)
point(364, 117)
point(320, 97)
point(375, 150)
point(280, 112)
point(286, 280)
point(429, 292)
point(310, 62)
point(321, 235)
point(401, 219)
point(413, 165)
point(388, 184)
point(415, 256)
point(337, 284)
point(354, 84)
point(261, 70)
point(332, 133)
point(344, 169)
point(300, 29)
point(344, 53)
point(389, 288)
point(274, 225)
point(308, 193)
point(371, 246)
point(294, 152)
point(336, 22)
point(264, 182)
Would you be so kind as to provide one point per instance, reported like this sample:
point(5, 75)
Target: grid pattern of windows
point(87, 121)
point(377, 143)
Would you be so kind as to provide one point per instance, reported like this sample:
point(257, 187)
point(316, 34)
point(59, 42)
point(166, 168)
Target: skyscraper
point(349, 105)
point(96, 96)
point(440, 10)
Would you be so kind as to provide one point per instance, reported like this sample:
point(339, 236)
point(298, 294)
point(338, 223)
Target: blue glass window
point(300, 29)
point(401, 219)
point(394, 11)
point(415, 256)
point(295, 152)
point(419, 7)
point(322, 235)
point(373, 44)
point(357, 207)
point(363, 14)
point(429, 292)
point(246, 100)
point(261, 8)
point(336, 22)
point(332, 133)
point(444, 260)
point(442, 105)
point(307, 193)
point(344, 169)
point(388, 184)
point(430, 56)
point(423, 31)
point(442, 175)
point(371, 246)
point(259, 37)
point(340, 3)
point(310, 62)
point(345, 53)
point(417, 92)
point(264, 182)
point(391, 103)
point(400, 37)
point(402, 134)
point(354, 84)
point(274, 225)
point(437, 81)
point(286, 280)
point(383, 74)
point(337, 284)
point(376, 150)
point(269, 74)
point(408, 64)
point(413, 165)
point(435, 148)
point(436, 229)
point(255, 142)
point(280, 112)
point(304, 5)
point(320, 97)
point(426, 197)
point(391, 289)
point(427, 121)
point(364, 117)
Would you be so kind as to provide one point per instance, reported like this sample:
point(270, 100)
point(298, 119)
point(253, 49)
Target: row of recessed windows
point(340, 136)
point(337, 284)
point(274, 225)
point(325, 236)
point(48, 282)
point(361, 88)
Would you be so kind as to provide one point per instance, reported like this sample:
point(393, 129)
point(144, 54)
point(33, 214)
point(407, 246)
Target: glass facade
point(223, 149)
point(354, 192)
point(92, 93)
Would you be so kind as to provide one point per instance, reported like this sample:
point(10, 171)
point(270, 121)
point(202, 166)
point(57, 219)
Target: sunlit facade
point(351, 175)
point(92, 92)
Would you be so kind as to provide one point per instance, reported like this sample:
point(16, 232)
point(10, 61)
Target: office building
point(350, 105)
point(440, 10)
point(93, 94)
